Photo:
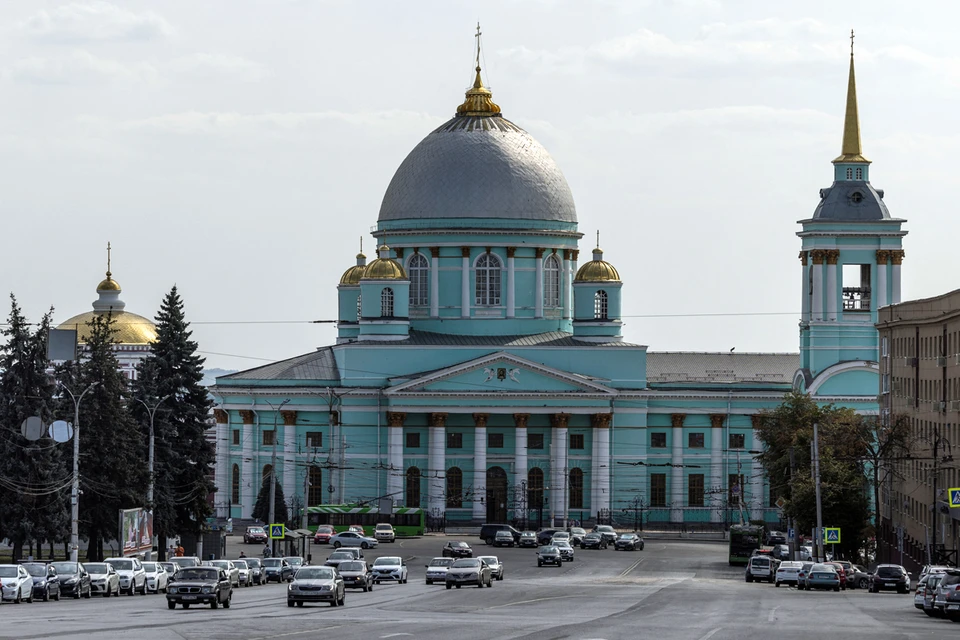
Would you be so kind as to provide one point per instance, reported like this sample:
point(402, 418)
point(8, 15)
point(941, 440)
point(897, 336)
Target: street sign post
point(790, 533)
point(277, 531)
point(954, 494)
point(831, 535)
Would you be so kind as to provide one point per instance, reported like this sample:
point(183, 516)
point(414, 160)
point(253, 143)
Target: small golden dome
point(597, 270)
point(130, 327)
point(384, 269)
point(478, 100)
point(352, 275)
point(109, 284)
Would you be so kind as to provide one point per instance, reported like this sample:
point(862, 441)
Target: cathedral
point(480, 373)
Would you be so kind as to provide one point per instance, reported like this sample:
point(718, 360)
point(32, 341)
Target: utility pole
point(792, 540)
point(75, 489)
point(273, 470)
point(818, 536)
point(152, 411)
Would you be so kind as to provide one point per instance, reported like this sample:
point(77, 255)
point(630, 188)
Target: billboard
point(136, 531)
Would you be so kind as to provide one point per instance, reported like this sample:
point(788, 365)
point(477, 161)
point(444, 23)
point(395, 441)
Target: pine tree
point(33, 474)
point(261, 510)
point(183, 456)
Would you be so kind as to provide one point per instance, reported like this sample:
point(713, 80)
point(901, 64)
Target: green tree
point(183, 455)
point(33, 474)
point(261, 510)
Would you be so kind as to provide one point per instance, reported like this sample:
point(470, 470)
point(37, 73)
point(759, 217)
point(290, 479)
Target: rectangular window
point(314, 439)
point(413, 440)
point(576, 441)
point(454, 441)
point(658, 489)
point(535, 441)
point(734, 489)
point(737, 441)
point(495, 440)
point(695, 490)
point(695, 440)
point(658, 440)
point(269, 438)
point(236, 437)
point(856, 287)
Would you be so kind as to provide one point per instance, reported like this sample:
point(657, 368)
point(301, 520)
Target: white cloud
point(77, 68)
point(735, 119)
point(95, 20)
point(216, 66)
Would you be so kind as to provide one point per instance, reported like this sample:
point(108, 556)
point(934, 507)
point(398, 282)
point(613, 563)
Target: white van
point(761, 568)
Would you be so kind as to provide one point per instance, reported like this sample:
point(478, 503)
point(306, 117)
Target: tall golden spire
point(851, 151)
point(108, 284)
point(478, 101)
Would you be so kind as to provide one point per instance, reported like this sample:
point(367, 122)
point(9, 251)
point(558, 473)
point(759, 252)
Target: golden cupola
point(597, 270)
point(351, 276)
point(384, 267)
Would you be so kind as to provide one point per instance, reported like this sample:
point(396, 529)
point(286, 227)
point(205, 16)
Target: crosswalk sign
point(277, 531)
point(954, 497)
point(831, 535)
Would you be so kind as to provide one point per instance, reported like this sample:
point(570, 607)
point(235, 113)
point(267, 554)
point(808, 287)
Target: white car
point(788, 573)
point(391, 568)
point(133, 579)
point(103, 579)
point(437, 569)
point(246, 576)
point(232, 572)
point(17, 583)
point(352, 539)
point(384, 533)
point(157, 577)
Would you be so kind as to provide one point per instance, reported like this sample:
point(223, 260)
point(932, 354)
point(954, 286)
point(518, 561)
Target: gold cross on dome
point(478, 43)
point(851, 41)
point(108, 258)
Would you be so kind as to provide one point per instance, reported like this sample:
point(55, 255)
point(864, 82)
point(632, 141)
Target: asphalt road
point(673, 590)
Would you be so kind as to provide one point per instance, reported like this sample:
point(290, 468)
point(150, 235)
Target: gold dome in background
point(130, 327)
point(597, 270)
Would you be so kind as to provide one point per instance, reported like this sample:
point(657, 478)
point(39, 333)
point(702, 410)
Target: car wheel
point(333, 603)
point(76, 594)
point(458, 586)
point(56, 598)
point(429, 581)
point(46, 594)
point(290, 603)
point(30, 597)
point(300, 604)
point(500, 577)
point(215, 604)
point(539, 564)
point(143, 589)
point(171, 604)
point(336, 545)
point(836, 588)
point(226, 603)
point(116, 593)
point(186, 605)
point(449, 586)
point(863, 583)
point(776, 584)
point(364, 545)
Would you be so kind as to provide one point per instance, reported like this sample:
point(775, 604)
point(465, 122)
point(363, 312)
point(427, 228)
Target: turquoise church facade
point(480, 372)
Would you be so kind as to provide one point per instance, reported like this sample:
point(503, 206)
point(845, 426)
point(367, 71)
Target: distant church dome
point(478, 166)
point(352, 275)
point(597, 270)
point(384, 267)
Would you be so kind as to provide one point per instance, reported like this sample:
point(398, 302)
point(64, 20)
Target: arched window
point(386, 303)
point(859, 173)
point(600, 305)
point(419, 272)
point(535, 488)
point(359, 307)
point(551, 282)
point(413, 487)
point(235, 485)
point(576, 488)
point(849, 173)
point(488, 280)
point(454, 488)
point(315, 488)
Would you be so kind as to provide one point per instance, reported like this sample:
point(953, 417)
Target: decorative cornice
point(601, 420)
point(289, 418)
point(438, 419)
point(520, 420)
point(883, 256)
point(465, 252)
point(396, 418)
point(221, 416)
point(676, 419)
point(803, 258)
point(832, 256)
point(574, 254)
point(511, 252)
point(716, 420)
point(817, 255)
point(559, 420)
point(566, 254)
point(434, 252)
point(539, 252)
point(897, 257)
point(480, 420)
point(246, 415)
point(399, 252)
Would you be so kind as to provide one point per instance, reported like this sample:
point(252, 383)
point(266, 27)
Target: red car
point(357, 529)
point(255, 535)
point(323, 534)
point(841, 571)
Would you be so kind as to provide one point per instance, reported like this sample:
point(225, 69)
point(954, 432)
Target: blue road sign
point(790, 533)
point(954, 497)
point(277, 531)
point(831, 535)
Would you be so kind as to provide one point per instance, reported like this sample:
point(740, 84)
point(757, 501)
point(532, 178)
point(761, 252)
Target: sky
point(238, 149)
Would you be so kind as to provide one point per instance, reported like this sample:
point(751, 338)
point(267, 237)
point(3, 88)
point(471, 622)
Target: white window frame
point(386, 302)
point(601, 305)
point(419, 275)
point(488, 280)
point(551, 281)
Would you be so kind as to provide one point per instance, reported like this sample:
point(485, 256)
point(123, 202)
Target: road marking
point(624, 573)
point(772, 611)
point(395, 635)
point(513, 604)
point(709, 634)
point(297, 633)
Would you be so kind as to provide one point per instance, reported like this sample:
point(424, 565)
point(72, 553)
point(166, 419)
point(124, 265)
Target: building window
point(856, 287)
point(454, 441)
point(695, 490)
point(658, 440)
point(419, 272)
point(535, 488)
point(695, 440)
point(859, 173)
point(849, 173)
point(359, 307)
point(236, 437)
point(235, 485)
point(534, 441)
point(600, 305)
point(551, 281)
point(386, 303)
point(454, 488)
point(413, 442)
point(734, 489)
point(737, 441)
point(269, 438)
point(315, 487)
point(576, 488)
point(576, 441)
point(413, 487)
point(658, 489)
point(495, 440)
point(488, 280)
point(314, 439)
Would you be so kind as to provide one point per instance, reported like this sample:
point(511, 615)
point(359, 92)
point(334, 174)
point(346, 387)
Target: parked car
point(357, 529)
point(928, 602)
point(157, 577)
point(457, 549)
point(528, 539)
point(890, 576)
point(503, 539)
point(628, 542)
point(841, 573)
point(295, 561)
point(545, 536)
point(16, 583)
point(200, 585)
point(232, 571)
point(565, 549)
point(338, 557)
point(104, 579)
point(385, 533)
point(316, 584)
point(256, 535)
point(822, 576)
point(776, 537)
point(609, 535)
point(781, 552)
point(576, 535)
point(276, 569)
point(356, 574)
point(559, 536)
point(243, 572)
point(496, 567)
point(74, 579)
point(549, 554)
point(256, 570)
point(467, 571)
point(788, 573)
point(46, 584)
point(802, 575)
point(488, 532)
point(761, 567)
point(390, 568)
point(947, 598)
point(437, 569)
point(323, 534)
point(185, 561)
point(352, 539)
point(858, 577)
point(593, 540)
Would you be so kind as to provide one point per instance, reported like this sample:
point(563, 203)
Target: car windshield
point(458, 544)
point(255, 530)
point(341, 555)
point(315, 573)
point(626, 536)
point(823, 568)
point(295, 561)
point(379, 562)
point(384, 527)
point(273, 562)
point(325, 529)
point(790, 565)
point(97, 568)
point(527, 534)
point(605, 528)
point(561, 535)
point(38, 570)
point(352, 566)
point(490, 559)
point(9, 572)
point(149, 567)
point(253, 563)
point(548, 549)
point(466, 563)
point(889, 572)
point(66, 567)
point(441, 562)
point(948, 579)
point(121, 565)
point(240, 564)
point(221, 564)
point(198, 573)
point(592, 534)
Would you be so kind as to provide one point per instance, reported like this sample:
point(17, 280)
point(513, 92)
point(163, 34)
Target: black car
point(46, 583)
point(593, 540)
point(609, 535)
point(200, 585)
point(890, 576)
point(457, 549)
point(356, 574)
point(628, 542)
point(488, 532)
point(74, 579)
point(776, 537)
point(549, 554)
point(544, 537)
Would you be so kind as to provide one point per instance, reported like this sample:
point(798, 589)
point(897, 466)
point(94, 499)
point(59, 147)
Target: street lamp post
point(273, 467)
point(152, 411)
point(75, 489)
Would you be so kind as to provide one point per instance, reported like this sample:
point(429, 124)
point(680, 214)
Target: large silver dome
point(478, 166)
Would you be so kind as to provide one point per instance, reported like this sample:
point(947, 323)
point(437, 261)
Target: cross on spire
point(598, 237)
point(851, 41)
point(108, 259)
point(478, 45)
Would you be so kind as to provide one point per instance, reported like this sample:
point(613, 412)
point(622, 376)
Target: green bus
point(406, 521)
point(744, 540)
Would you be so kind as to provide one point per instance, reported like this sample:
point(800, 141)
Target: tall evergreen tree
point(33, 475)
point(113, 470)
point(183, 456)
point(261, 510)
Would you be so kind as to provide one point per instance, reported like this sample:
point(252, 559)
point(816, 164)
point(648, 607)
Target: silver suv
point(133, 577)
point(385, 533)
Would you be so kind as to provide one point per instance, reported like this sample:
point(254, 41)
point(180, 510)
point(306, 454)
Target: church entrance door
point(496, 495)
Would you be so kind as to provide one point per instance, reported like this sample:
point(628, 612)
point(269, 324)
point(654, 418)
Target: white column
point(601, 475)
point(224, 481)
point(511, 283)
point(881, 288)
point(435, 282)
point(716, 466)
point(465, 283)
point(479, 466)
point(832, 298)
point(436, 480)
point(567, 288)
point(804, 287)
point(895, 276)
point(520, 461)
point(395, 471)
point(817, 304)
point(290, 484)
point(676, 474)
point(539, 292)
point(247, 466)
